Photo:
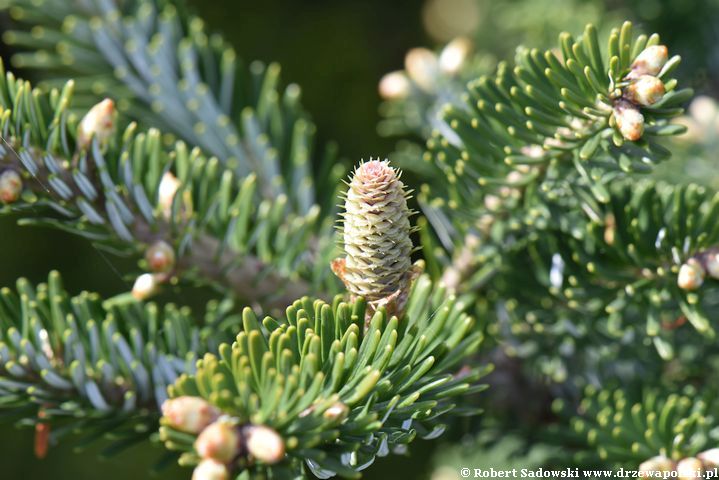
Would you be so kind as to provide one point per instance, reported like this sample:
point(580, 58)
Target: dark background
point(336, 51)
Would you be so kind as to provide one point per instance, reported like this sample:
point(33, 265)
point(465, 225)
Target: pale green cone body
point(376, 235)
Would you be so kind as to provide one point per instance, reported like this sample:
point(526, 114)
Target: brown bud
point(160, 257)
point(10, 186)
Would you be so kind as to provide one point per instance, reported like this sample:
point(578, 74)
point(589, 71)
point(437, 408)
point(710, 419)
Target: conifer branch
point(166, 71)
point(124, 196)
point(328, 394)
point(94, 367)
point(521, 196)
point(651, 432)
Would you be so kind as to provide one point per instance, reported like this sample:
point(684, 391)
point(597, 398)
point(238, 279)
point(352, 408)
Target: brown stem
point(244, 275)
point(247, 276)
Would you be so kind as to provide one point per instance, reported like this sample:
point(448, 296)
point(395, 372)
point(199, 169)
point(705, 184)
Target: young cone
point(377, 242)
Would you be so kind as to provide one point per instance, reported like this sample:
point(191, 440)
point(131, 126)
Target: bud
point(189, 414)
point(659, 463)
point(630, 121)
point(610, 229)
point(376, 235)
point(689, 468)
point(492, 202)
point(645, 90)
point(532, 151)
point(691, 275)
point(454, 55)
point(160, 257)
point(166, 192)
point(338, 411)
point(649, 62)
point(703, 109)
point(394, 86)
point(169, 185)
point(219, 441)
point(145, 286)
point(264, 444)
point(422, 67)
point(711, 263)
point(98, 122)
point(710, 458)
point(10, 186)
point(209, 469)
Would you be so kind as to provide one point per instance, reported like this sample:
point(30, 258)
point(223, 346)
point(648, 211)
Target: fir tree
point(546, 246)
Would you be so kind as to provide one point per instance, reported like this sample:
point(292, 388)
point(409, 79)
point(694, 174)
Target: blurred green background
point(337, 51)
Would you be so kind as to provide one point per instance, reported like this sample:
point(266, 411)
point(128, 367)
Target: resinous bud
point(209, 469)
point(454, 55)
point(264, 444)
point(691, 275)
point(189, 414)
point(220, 441)
point(645, 90)
point(160, 257)
point(660, 463)
point(630, 120)
point(650, 61)
point(394, 86)
point(98, 122)
point(10, 186)
point(422, 67)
